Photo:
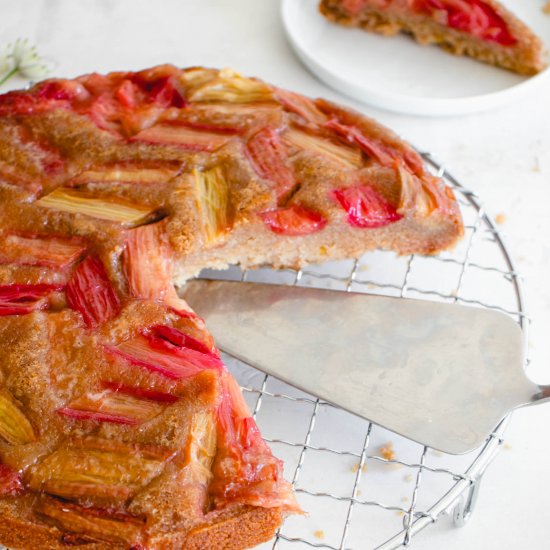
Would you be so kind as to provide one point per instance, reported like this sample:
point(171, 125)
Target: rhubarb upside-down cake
point(482, 29)
point(120, 427)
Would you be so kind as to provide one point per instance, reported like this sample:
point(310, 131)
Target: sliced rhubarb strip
point(140, 393)
point(97, 416)
point(113, 406)
point(20, 103)
point(41, 250)
point(366, 207)
point(124, 104)
point(97, 469)
point(11, 483)
point(147, 261)
point(195, 77)
point(424, 196)
point(370, 146)
point(470, 16)
point(35, 160)
point(158, 355)
point(348, 157)
point(212, 191)
point(267, 154)
point(192, 325)
point(353, 7)
point(133, 121)
point(180, 339)
point(210, 127)
point(382, 153)
point(186, 314)
point(229, 86)
point(42, 158)
point(102, 524)
point(53, 94)
point(15, 427)
point(293, 221)
point(22, 299)
point(186, 354)
point(302, 106)
point(150, 452)
point(164, 92)
point(104, 111)
point(131, 173)
point(200, 449)
point(62, 90)
point(12, 176)
point(90, 292)
point(128, 94)
point(232, 118)
point(182, 136)
point(78, 201)
point(245, 471)
point(197, 358)
point(50, 159)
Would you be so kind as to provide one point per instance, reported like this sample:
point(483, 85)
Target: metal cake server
point(443, 375)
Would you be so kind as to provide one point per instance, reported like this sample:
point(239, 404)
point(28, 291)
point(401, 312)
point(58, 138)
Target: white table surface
point(504, 155)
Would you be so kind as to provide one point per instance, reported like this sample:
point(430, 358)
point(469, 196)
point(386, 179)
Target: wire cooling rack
point(362, 486)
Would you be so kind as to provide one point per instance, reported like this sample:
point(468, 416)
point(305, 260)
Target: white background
point(504, 155)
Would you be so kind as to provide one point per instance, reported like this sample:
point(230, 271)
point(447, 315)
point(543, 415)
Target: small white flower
point(6, 64)
point(23, 58)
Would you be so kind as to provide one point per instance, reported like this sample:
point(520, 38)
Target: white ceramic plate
point(398, 74)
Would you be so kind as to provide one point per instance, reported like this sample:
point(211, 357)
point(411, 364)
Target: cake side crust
point(235, 529)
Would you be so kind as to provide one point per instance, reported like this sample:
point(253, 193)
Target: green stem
point(8, 76)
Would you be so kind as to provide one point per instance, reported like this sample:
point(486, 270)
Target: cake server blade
point(440, 374)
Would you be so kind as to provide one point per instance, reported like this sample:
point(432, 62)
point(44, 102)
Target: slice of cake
point(483, 29)
point(120, 427)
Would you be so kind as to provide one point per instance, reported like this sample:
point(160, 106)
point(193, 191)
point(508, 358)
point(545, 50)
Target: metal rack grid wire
point(482, 253)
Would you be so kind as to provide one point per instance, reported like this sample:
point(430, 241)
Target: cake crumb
point(546, 8)
point(359, 493)
point(408, 478)
point(363, 267)
point(386, 451)
point(500, 218)
point(400, 513)
point(507, 446)
point(404, 499)
point(437, 453)
point(355, 467)
point(319, 534)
